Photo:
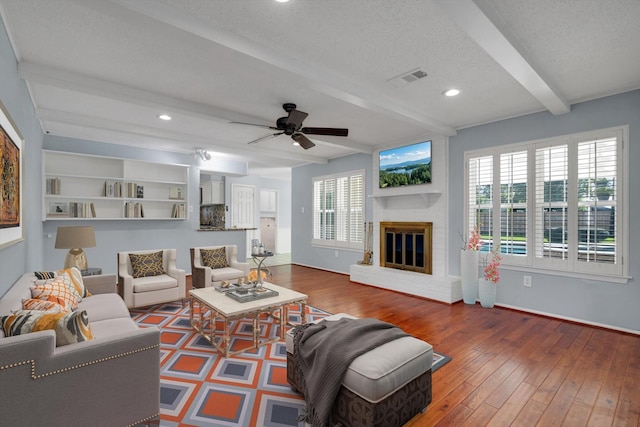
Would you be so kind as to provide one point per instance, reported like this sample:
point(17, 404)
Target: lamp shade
point(75, 237)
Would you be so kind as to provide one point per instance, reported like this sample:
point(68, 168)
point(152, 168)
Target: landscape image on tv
point(408, 165)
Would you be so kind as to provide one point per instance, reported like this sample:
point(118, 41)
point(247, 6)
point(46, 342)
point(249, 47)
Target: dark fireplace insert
point(406, 246)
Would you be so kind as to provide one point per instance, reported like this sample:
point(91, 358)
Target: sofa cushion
point(55, 291)
point(112, 327)
point(146, 265)
point(104, 306)
point(43, 305)
point(69, 327)
point(214, 258)
point(154, 283)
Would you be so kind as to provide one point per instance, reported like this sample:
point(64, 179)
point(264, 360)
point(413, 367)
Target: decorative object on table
point(488, 284)
point(368, 239)
point(74, 239)
point(11, 143)
point(469, 267)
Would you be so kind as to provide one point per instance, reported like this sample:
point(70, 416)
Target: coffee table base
point(205, 324)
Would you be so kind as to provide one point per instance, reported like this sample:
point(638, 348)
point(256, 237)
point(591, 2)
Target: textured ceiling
point(103, 70)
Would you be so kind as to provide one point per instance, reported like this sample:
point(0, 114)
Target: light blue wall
point(586, 300)
point(27, 254)
point(302, 252)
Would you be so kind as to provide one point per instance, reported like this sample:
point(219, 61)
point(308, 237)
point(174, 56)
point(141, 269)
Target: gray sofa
point(112, 380)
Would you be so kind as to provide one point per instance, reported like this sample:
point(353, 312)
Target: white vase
point(469, 276)
point(487, 292)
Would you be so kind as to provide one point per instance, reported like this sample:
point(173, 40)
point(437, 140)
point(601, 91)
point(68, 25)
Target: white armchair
point(203, 276)
point(152, 278)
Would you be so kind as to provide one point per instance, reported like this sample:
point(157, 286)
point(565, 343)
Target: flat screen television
point(407, 165)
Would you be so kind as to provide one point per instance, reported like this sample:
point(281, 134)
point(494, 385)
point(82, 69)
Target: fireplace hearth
point(406, 246)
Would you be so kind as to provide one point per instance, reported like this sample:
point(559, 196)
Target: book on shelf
point(133, 210)
point(175, 193)
point(53, 186)
point(178, 211)
point(112, 189)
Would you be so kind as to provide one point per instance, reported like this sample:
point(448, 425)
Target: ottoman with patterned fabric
point(383, 387)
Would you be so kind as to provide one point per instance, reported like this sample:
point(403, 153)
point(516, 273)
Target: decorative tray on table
point(251, 294)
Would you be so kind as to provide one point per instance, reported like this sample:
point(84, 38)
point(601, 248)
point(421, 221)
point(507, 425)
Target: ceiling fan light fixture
point(451, 92)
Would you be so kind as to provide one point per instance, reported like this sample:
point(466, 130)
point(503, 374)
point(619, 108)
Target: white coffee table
point(215, 305)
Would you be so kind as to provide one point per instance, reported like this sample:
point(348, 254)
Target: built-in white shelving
point(88, 187)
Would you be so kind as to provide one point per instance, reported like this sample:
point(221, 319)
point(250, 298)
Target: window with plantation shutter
point(556, 204)
point(480, 196)
point(338, 210)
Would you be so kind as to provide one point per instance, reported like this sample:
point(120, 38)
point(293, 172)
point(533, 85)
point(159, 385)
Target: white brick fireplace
point(420, 203)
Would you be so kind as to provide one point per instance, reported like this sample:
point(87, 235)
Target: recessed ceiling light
point(451, 92)
point(164, 117)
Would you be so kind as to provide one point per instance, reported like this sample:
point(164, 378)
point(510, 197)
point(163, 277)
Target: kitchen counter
point(205, 228)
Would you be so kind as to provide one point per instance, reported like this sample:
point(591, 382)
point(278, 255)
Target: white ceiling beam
point(63, 79)
point(36, 73)
point(479, 21)
point(251, 152)
point(316, 77)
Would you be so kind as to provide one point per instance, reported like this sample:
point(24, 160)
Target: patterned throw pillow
point(214, 258)
point(44, 275)
point(70, 327)
point(55, 290)
point(145, 265)
point(44, 305)
point(76, 279)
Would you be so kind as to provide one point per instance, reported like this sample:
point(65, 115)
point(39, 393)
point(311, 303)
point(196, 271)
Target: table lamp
point(74, 239)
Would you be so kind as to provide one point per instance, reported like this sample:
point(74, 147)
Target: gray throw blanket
point(322, 353)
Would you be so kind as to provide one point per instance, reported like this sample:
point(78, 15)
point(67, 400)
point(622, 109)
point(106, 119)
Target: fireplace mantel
point(424, 198)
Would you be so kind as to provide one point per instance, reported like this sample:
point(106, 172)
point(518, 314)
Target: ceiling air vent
point(410, 77)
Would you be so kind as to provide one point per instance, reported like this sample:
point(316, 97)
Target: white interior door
point(243, 212)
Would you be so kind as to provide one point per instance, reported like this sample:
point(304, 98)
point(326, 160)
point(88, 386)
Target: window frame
point(617, 272)
point(343, 213)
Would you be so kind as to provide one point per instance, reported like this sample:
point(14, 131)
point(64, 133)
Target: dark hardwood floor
point(508, 367)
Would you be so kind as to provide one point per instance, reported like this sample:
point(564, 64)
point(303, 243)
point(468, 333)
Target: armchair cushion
point(146, 265)
point(154, 283)
point(70, 327)
point(214, 258)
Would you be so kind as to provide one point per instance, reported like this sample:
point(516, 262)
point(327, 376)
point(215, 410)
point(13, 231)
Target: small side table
point(91, 271)
point(259, 259)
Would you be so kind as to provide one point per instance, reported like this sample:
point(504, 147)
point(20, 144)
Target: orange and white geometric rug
point(198, 387)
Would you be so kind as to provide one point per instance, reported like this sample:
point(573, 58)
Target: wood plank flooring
point(509, 368)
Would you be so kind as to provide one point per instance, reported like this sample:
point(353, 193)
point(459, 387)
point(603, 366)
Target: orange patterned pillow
point(69, 327)
point(57, 288)
point(54, 305)
point(75, 276)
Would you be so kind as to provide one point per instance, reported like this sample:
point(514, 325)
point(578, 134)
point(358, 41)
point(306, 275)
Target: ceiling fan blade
point(262, 138)
point(302, 140)
point(296, 118)
point(254, 124)
point(326, 131)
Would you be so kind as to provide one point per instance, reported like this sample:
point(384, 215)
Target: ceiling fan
point(292, 125)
